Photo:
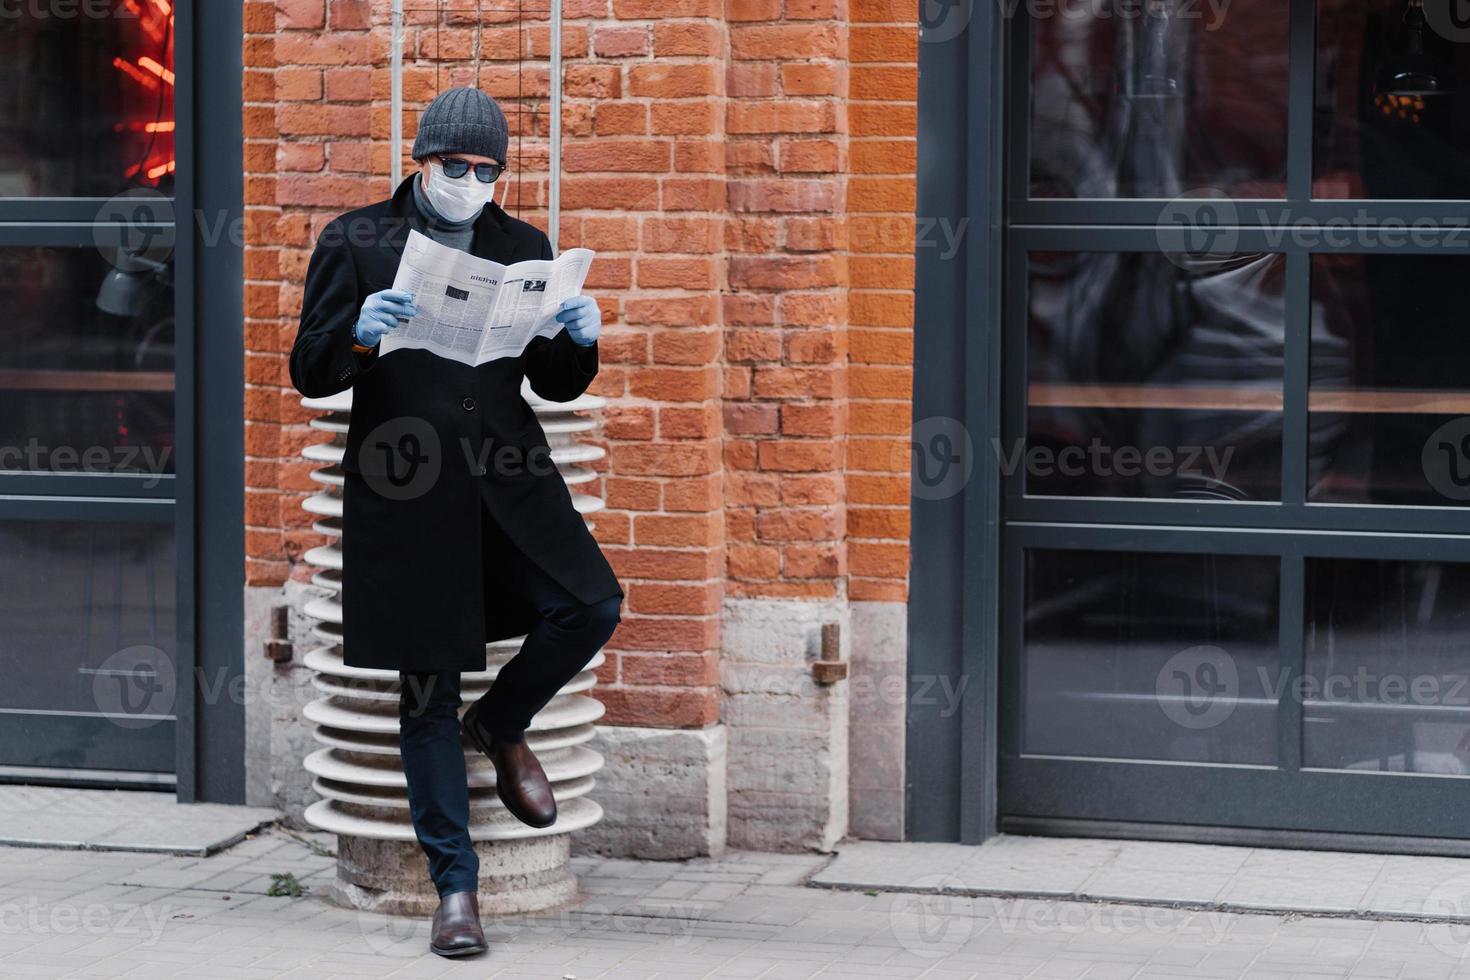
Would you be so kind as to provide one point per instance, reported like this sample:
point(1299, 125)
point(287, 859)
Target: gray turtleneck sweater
point(455, 235)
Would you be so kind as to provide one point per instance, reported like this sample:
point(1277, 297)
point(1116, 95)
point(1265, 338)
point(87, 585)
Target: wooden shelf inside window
point(1228, 399)
point(99, 381)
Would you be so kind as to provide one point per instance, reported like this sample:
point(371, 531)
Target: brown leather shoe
point(520, 782)
point(457, 929)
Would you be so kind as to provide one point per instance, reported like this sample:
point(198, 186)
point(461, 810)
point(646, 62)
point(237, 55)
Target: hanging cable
point(520, 98)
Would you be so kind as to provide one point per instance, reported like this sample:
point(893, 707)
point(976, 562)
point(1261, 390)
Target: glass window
point(86, 362)
point(1159, 97)
point(88, 613)
point(1388, 666)
point(1393, 120)
point(1390, 397)
point(1153, 375)
point(86, 98)
point(1151, 656)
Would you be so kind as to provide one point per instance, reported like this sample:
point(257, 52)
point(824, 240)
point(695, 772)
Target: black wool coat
point(432, 444)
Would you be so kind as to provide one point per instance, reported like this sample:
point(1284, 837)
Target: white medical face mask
point(457, 200)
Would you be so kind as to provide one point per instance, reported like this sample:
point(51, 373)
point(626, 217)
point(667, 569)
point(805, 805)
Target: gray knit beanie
point(462, 120)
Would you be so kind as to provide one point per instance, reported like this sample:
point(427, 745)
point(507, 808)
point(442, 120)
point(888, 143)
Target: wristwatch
point(358, 348)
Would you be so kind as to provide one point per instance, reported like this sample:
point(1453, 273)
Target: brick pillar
point(883, 114)
point(644, 172)
point(786, 418)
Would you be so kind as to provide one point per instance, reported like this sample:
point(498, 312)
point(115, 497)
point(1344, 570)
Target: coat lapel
point(403, 216)
point(491, 240)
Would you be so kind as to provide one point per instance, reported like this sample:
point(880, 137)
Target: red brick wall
point(745, 171)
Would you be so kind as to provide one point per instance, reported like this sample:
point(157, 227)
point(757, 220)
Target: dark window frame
point(204, 501)
point(963, 771)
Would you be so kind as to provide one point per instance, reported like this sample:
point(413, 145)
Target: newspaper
point(474, 310)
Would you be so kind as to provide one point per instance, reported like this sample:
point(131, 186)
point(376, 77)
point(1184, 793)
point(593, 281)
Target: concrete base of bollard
point(391, 877)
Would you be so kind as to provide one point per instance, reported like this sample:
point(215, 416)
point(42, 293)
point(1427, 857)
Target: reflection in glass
point(1154, 375)
point(1150, 656)
point(84, 390)
point(1388, 666)
point(1392, 120)
point(86, 607)
point(86, 98)
point(1157, 98)
point(1389, 382)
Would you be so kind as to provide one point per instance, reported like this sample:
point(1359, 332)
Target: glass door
point(1236, 554)
point(88, 577)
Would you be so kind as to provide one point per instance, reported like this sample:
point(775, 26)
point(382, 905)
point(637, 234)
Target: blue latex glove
point(380, 313)
point(583, 319)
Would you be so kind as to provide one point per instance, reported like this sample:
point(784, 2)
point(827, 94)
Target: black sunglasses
point(485, 173)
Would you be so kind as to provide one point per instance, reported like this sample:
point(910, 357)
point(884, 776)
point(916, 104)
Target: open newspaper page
point(473, 310)
point(530, 294)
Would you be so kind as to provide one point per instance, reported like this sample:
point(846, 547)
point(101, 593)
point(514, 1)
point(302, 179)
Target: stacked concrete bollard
point(358, 772)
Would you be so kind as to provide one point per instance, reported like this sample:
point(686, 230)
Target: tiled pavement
point(55, 816)
point(1155, 873)
point(112, 914)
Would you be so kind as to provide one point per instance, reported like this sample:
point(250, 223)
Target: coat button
point(468, 403)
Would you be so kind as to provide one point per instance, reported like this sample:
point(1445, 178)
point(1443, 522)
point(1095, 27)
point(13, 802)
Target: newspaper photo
point(474, 310)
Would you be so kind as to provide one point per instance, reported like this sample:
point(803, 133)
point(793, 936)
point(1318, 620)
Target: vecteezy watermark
point(1206, 224)
point(135, 687)
point(34, 918)
point(1198, 688)
point(944, 234)
point(1049, 918)
point(405, 937)
point(1200, 225)
point(1446, 459)
point(403, 457)
point(1210, 12)
point(945, 20)
point(136, 230)
point(67, 10)
point(1448, 18)
point(942, 457)
point(1449, 903)
point(936, 920)
point(1098, 459)
point(36, 456)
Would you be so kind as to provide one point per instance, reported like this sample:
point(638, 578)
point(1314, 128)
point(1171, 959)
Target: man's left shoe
point(520, 782)
point(457, 929)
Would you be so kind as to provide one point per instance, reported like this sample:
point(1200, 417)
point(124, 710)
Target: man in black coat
point(457, 528)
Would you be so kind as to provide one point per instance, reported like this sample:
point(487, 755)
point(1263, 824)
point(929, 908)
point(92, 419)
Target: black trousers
point(563, 641)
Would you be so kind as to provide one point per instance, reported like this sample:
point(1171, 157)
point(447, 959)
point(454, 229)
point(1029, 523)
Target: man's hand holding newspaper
point(473, 310)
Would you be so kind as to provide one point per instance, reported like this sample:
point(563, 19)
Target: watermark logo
point(1446, 459)
point(944, 20)
point(67, 10)
point(1198, 688)
point(1449, 18)
point(1449, 902)
point(1198, 226)
point(942, 457)
point(401, 459)
point(135, 230)
point(394, 936)
point(135, 687)
point(935, 922)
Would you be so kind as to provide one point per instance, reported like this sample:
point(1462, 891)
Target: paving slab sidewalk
point(1243, 879)
point(70, 913)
